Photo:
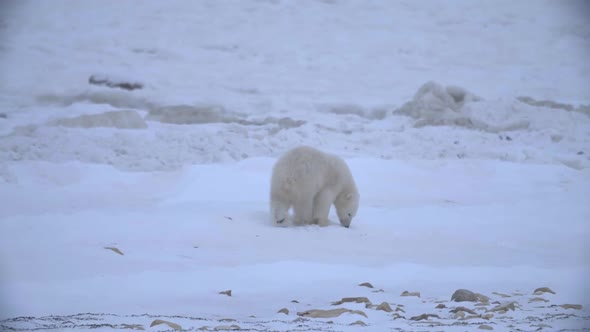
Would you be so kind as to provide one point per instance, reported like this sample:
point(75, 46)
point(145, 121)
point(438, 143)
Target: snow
point(465, 124)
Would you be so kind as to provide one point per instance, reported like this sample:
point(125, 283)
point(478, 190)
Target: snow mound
point(352, 109)
point(114, 98)
point(198, 114)
point(437, 105)
point(434, 104)
point(112, 119)
point(208, 114)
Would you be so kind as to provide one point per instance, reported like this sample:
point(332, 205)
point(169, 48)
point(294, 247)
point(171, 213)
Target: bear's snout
point(346, 222)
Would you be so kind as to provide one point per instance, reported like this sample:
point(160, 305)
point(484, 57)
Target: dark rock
point(462, 295)
point(467, 310)
point(542, 290)
point(104, 81)
point(424, 316)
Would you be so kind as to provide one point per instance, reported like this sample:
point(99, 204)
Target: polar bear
point(310, 181)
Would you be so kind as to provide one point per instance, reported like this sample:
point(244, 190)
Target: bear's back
point(302, 165)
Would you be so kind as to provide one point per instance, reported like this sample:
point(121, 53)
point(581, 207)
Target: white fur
point(311, 181)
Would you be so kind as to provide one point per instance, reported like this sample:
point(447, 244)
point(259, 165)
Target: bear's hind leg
point(279, 211)
point(321, 207)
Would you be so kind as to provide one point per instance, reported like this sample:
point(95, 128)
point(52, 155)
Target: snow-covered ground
point(151, 127)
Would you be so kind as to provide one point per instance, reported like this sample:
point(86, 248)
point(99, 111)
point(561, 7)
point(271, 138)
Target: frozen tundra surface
point(136, 143)
point(165, 243)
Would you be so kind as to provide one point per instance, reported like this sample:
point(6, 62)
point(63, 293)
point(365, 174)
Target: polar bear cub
point(310, 181)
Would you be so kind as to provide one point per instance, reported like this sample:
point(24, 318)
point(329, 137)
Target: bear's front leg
point(321, 207)
point(302, 210)
point(279, 211)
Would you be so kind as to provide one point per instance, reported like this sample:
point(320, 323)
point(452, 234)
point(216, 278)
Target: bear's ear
point(348, 196)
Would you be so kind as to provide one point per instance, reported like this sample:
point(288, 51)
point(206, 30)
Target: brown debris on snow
point(424, 316)
point(366, 284)
point(406, 293)
point(361, 299)
point(384, 307)
point(541, 290)
point(104, 81)
point(319, 313)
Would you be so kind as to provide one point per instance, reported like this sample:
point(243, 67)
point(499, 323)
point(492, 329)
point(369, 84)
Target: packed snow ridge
point(110, 127)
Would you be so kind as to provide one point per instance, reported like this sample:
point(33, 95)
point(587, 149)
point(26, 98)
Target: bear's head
point(347, 203)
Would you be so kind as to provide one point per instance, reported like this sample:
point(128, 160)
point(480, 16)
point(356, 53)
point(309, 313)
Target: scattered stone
point(482, 298)
point(487, 316)
point(358, 322)
point(361, 299)
point(319, 313)
point(441, 306)
point(424, 316)
point(226, 320)
point(397, 316)
point(462, 295)
point(399, 309)
point(366, 284)
point(472, 317)
point(294, 301)
point(459, 314)
point(502, 308)
point(170, 324)
point(538, 299)
point(481, 304)
point(227, 292)
point(569, 306)
point(406, 293)
point(541, 290)
point(283, 311)
point(116, 250)
point(384, 307)
point(100, 80)
point(378, 291)
point(467, 310)
point(485, 327)
point(501, 295)
point(541, 326)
